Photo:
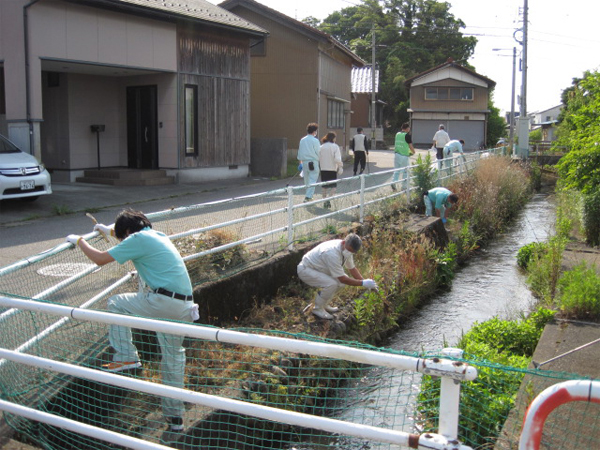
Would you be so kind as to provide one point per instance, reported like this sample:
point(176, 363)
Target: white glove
point(73, 239)
point(103, 229)
point(369, 284)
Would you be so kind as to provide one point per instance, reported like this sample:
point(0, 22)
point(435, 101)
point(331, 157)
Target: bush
point(530, 252)
point(425, 175)
point(579, 293)
point(591, 217)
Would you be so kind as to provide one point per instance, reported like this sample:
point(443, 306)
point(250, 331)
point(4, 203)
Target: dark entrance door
point(142, 135)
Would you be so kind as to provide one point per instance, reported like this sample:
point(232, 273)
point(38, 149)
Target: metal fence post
point(362, 199)
point(290, 216)
point(450, 400)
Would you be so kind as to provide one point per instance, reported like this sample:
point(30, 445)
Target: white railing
point(452, 371)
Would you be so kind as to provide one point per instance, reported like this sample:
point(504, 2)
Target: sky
point(563, 41)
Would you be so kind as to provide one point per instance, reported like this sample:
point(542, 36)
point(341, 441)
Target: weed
point(544, 270)
point(61, 210)
point(579, 293)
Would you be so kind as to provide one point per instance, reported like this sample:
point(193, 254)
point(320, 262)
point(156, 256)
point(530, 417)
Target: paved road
point(27, 229)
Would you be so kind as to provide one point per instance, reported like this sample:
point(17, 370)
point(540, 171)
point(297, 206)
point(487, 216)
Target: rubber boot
point(319, 309)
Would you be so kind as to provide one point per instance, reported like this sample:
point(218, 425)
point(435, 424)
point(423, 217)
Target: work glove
point(369, 284)
point(73, 239)
point(444, 220)
point(106, 230)
point(300, 167)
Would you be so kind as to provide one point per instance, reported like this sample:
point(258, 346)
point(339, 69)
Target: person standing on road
point(308, 155)
point(360, 145)
point(451, 147)
point(440, 198)
point(323, 268)
point(330, 162)
point(403, 150)
point(165, 293)
point(440, 139)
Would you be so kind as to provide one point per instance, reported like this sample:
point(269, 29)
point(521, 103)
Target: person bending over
point(440, 198)
point(165, 293)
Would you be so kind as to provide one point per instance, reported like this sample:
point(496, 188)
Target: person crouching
point(323, 268)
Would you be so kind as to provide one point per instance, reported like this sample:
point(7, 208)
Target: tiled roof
point(362, 82)
point(196, 9)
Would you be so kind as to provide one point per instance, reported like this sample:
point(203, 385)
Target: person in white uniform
point(323, 268)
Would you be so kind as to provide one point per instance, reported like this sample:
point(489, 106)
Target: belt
point(162, 291)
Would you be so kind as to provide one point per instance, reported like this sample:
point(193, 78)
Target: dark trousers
point(359, 157)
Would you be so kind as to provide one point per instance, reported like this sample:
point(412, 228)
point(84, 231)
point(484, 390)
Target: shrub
point(530, 252)
point(579, 293)
point(424, 175)
point(591, 217)
point(544, 271)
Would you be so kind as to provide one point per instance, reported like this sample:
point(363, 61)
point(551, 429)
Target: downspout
point(27, 81)
point(319, 88)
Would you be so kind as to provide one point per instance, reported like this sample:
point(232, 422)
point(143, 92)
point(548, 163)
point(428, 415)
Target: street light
point(512, 97)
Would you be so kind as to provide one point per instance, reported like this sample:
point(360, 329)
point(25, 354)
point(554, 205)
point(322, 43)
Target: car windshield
point(6, 146)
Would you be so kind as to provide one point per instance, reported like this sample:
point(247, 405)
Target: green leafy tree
point(496, 127)
point(535, 135)
point(579, 131)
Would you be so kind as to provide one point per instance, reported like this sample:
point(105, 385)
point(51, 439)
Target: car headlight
point(42, 167)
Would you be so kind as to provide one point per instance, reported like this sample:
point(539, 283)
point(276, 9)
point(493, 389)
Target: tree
point(411, 36)
point(579, 130)
point(496, 125)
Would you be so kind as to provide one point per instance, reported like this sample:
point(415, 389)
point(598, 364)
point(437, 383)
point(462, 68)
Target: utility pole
point(511, 134)
point(373, 93)
point(523, 147)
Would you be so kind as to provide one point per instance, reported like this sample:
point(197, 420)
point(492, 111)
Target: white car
point(21, 175)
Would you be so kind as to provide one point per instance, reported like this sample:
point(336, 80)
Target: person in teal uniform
point(165, 293)
point(441, 199)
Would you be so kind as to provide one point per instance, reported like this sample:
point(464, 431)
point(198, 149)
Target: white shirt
point(329, 259)
point(330, 157)
point(441, 138)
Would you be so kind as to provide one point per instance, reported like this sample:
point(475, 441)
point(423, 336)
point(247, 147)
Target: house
point(299, 75)
point(454, 96)
point(547, 120)
point(362, 100)
point(138, 84)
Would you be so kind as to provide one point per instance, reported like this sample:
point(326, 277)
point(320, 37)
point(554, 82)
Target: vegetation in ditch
point(409, 269)
point(486, 402)
point(574, 293)
point(490, 198)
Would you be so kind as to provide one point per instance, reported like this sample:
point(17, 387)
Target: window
point(335, 114)
point(432, 93)
point(191, 120)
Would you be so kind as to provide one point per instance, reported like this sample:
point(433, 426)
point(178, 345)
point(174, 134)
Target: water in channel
point(489, 285)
